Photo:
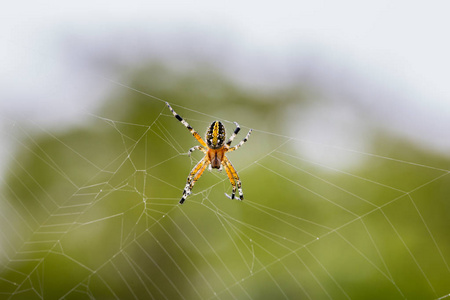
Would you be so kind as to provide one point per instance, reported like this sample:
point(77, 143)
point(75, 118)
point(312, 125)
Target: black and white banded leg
point(189, 127)
point(236, 131)
point(234, 179)
point(195, 174)
point(241, 142)
point(197, 148)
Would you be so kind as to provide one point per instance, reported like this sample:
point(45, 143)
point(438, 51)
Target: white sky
point(404, 44)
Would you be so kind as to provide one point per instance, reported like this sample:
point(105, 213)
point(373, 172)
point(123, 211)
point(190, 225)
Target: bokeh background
point(346, 174)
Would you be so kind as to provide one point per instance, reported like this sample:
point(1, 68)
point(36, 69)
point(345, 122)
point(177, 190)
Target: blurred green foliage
point(93, 211)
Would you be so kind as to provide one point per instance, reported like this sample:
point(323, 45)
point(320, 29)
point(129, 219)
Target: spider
point(214, 149)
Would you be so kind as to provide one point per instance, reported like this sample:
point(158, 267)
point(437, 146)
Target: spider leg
point(236, 131)
point(231, 178)
point(195, 174)
point(241, 142)
point(189, 127)
point(196, 148)
point(232, 171)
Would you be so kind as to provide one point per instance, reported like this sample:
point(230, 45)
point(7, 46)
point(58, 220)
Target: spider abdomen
point(215, 135)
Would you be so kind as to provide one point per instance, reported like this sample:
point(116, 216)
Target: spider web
point(94, 213)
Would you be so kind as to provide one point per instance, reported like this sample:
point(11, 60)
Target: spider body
point(215, 135)
point(215, 139)
point(215, 157)
point(214, 149)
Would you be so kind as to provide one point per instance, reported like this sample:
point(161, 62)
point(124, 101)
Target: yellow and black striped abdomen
point(215, 135)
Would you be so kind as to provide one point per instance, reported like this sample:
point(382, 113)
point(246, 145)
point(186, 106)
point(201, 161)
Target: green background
point(92, 212)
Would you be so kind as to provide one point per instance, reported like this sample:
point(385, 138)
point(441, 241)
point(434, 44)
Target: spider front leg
point(195, 174)
point(234, 179)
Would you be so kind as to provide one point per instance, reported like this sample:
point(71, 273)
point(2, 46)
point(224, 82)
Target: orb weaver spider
point(214, 149)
